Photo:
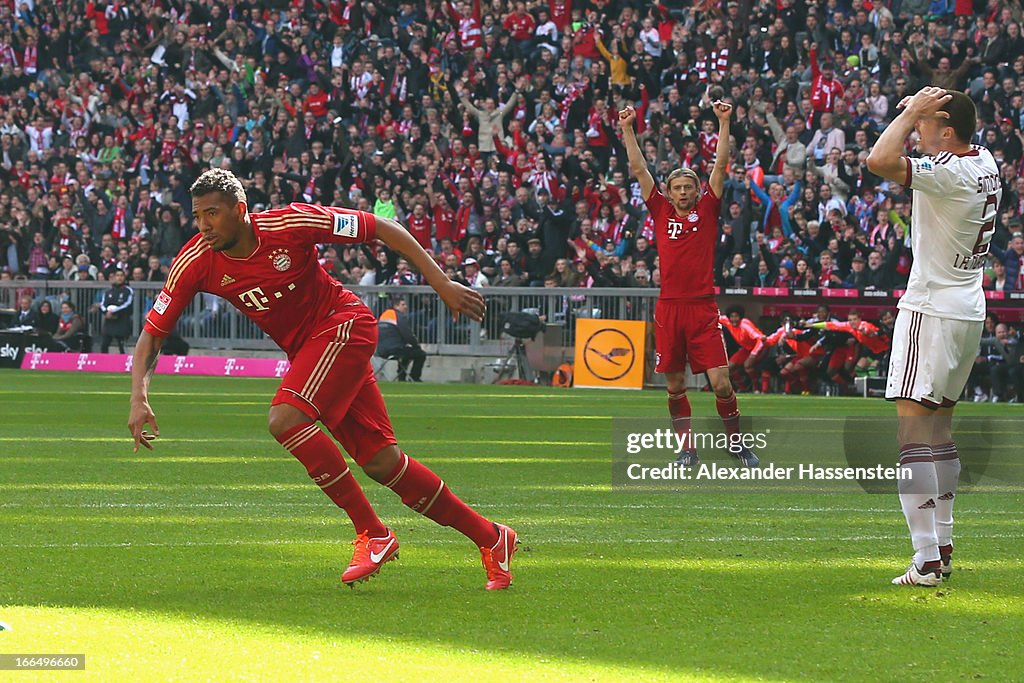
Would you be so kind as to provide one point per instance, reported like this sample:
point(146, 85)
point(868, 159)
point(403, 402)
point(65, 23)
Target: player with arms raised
point(956, 193)
point(686, 317)
point(266, 265)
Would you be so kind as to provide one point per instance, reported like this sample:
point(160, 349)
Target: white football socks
point(947, 473)
point(918, 494)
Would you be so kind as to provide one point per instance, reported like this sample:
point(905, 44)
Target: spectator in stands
point(47, 320)
point(26, 315)
point(507, 277)
point(396, 340)
point(117, 312)
point(1004, 361)
point(91, 164)
point(1012, 259)
point(472, 274)
point(72, 330)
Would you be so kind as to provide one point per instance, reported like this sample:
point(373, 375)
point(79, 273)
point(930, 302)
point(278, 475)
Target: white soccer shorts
point(931, 358)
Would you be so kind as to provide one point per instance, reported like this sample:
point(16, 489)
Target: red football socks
point(424, 492)
point(679, 411)
point(729, 412)
point(327, 467)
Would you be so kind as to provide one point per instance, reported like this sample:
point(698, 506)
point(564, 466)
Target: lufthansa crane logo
point(609, 354)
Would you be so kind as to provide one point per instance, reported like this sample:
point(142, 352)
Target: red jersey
point(686, 245)
point(865, 333)
point(520, 27)
point(420, 228)
point(444, 220)
point(824, 92)
point(560, 12)
point(316, 104)
point(802, 348)
point(746, 334)
point(280, 286)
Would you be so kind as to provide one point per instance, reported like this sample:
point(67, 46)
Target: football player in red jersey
point(750, 340)
point(686, 318)
point(865, 334)
point(266, 265)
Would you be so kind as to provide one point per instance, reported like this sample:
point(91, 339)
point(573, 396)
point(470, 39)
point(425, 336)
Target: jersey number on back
point(988, 227)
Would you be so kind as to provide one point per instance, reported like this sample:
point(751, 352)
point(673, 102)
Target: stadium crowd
point(489, 129)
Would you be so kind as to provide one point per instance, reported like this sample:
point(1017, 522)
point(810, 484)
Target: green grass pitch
point(214, 558)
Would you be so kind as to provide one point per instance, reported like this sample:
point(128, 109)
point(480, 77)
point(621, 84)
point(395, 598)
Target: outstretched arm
point(717, 181)
point(459, 299)
point(637, 163)
point(147, 353)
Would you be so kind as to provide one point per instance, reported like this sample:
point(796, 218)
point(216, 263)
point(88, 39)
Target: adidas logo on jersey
point(226, 280)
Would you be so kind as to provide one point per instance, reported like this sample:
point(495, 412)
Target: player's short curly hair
point(682, 173)
point(218, 180)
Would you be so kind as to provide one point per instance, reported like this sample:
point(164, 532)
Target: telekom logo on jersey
point(255, 298)
point(675, 229)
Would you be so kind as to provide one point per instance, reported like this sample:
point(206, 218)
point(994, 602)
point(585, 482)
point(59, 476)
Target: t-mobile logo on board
point(282, 367)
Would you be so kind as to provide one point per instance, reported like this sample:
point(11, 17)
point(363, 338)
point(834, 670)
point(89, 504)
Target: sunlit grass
point(214, 558)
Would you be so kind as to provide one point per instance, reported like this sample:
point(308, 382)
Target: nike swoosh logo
point(504, 565)
point(377, 557)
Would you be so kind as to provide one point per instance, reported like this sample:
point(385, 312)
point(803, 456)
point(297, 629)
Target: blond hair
point(682, 173)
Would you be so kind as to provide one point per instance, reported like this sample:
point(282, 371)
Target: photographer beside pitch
point(956, 193)
point(266, 265)
point(686, 318)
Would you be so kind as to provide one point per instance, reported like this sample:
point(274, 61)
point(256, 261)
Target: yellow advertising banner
point(610, 353)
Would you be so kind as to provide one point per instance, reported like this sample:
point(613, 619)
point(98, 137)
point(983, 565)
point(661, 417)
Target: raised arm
point(717, 181)
point(459, 299)
point(147, 353)
point(886, 158)
point(507, 107)
point(776, 127)
point(787, 223)
point(637, 163)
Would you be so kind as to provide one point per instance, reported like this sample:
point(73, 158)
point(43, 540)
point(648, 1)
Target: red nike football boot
point(498, 558)
point(369, 556)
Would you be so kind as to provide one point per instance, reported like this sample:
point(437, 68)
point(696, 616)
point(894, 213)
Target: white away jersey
point(953, 219)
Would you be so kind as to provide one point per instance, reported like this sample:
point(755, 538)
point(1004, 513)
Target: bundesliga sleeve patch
point(162, 302)
point(346, 225)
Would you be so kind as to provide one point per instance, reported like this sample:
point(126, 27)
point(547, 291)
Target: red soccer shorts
point(688, 331)
point(841, 356)
point(740, 357)
point(331, 379)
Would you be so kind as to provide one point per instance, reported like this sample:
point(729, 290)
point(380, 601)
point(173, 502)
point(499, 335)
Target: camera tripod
point(514, 361)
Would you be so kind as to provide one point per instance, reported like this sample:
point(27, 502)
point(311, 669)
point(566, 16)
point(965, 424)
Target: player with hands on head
point(266, 265)
point(686, 318)
point(956, 194)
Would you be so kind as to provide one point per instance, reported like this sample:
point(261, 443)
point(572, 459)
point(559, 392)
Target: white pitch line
point(171, 439)
point(460, 541)
point(500, 506)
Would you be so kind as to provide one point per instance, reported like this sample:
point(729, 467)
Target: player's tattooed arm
point(637, 163)
point(147, 353)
